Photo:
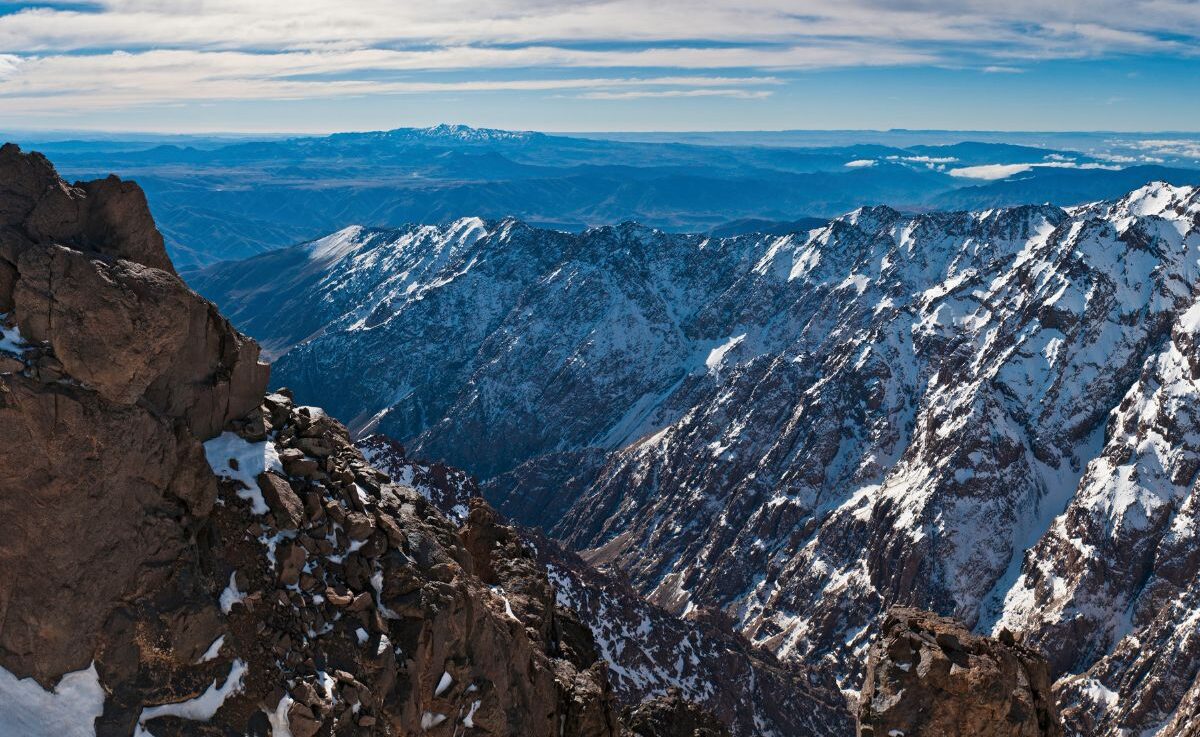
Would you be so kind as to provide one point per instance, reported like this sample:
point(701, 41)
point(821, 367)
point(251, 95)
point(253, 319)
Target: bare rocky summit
point(929, 676)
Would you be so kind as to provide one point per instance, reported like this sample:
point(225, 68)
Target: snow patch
point(203, 707)
point(213, 650)
point(280, 726)
point(10, 338)
point(231, 595)
point(335, 246)
point(234, 457)
point(716, 356)
point(469, 720)
point(28, 710)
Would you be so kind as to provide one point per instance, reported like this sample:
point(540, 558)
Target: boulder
point(282, 499)
point(929, 676)
point(671, 715)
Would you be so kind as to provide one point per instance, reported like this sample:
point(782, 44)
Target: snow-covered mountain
point(987, 414)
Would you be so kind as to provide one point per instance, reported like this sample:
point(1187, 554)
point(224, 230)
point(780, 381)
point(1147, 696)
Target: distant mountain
point(221, 200)
point(987, 414)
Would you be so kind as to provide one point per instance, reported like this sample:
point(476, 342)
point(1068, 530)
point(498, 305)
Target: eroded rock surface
point(113, 372)
point(928, 676)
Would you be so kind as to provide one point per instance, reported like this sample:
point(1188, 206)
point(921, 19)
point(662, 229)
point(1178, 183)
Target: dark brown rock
point(282, 499)
point(8, 280)
point(928, 675)
point(85, 516)
point(301, 721)
point(359, 526)
point(291, 559)
point(295, 463)
point(671, 715)
point(92, 280)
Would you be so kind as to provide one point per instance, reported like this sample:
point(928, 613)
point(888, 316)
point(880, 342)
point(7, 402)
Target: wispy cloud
point(121, 79)
point(123, 53)
point(642, 94)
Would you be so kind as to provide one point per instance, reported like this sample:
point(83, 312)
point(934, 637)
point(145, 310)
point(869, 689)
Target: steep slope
point(182, 554)
point(985, 414)
point(653, 655)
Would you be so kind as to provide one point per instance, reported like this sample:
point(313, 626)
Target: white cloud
point(1183, 148)
point(991, 172)
point(925, 159)
point(122, 79)
point(860, 163)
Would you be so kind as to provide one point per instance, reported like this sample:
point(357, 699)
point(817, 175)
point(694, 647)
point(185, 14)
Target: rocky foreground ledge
point(182, 553)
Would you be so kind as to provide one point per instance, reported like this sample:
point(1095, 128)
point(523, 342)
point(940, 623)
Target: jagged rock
point(291, 558)
point(8, 280)
point(296, 463)
point(282, 499)
point(301, 721)
point(929, 676)
point(86, 506)
point(671, 715)
point(650, 650)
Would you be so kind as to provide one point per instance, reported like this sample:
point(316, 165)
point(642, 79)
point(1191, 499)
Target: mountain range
point(987, 414)
point(219, 199)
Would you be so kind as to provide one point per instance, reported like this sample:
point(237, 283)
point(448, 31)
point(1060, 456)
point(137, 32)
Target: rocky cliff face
point(929, 676)
point(983, 414)
point(182, 553)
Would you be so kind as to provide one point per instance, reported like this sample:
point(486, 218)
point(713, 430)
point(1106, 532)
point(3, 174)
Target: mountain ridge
point(788, 428)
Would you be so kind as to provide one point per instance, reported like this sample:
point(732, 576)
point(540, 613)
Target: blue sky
point(313, 66)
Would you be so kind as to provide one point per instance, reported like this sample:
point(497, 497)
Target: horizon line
point(42, 131)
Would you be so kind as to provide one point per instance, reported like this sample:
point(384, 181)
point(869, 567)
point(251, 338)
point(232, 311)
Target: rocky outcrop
point(114, 371)
point(670, 715)
point(424, 629)
point(653, 657)
point(929, 676)
point(189, 555)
